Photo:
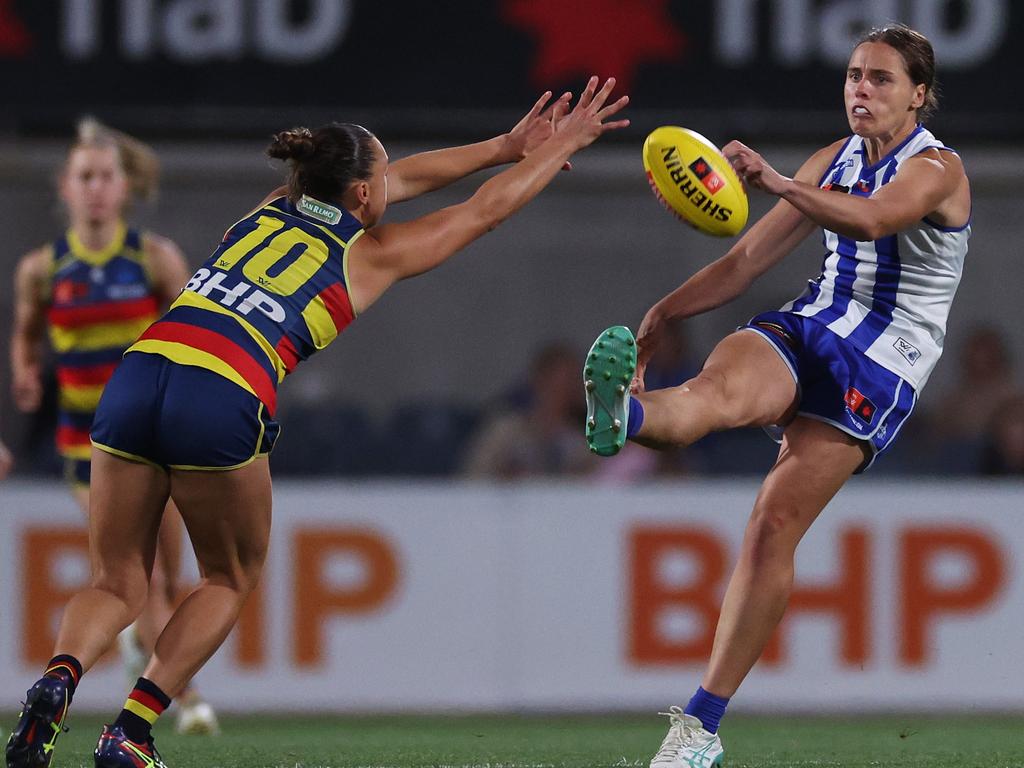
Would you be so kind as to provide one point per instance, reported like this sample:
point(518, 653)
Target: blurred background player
point(837, 370)
point(6, 460)
point(190, 412)
point(93, 290)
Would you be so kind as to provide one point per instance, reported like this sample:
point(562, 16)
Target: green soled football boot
point(607, 373)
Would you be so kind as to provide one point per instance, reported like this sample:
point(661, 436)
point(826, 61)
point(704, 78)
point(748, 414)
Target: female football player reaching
point(189, 413)
point(836, 372)
point(93, 290)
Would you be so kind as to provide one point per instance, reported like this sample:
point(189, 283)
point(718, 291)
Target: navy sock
point(66, 668)
point(707, 708)
point(636, 417)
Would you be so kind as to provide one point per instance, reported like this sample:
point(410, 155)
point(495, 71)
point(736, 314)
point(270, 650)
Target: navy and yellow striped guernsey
point(272, 294)
point(99, 303)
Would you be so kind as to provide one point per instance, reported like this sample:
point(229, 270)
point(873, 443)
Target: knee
point(713, 388)
point(130, 586)
point(772, 534)
point(240, 576)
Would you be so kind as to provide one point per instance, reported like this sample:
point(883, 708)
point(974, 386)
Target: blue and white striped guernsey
point(889, 297)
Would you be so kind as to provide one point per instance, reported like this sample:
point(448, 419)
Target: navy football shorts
point(176, 416)
point(836, 382)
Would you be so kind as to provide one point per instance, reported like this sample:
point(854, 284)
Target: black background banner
point(234, 67)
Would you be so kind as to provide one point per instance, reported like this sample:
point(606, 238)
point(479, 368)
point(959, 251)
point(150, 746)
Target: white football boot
point(196, 717)
point(687, 744)
point(133, 656)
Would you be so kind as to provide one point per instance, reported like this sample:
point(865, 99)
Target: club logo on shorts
point(711, 180)
point(908, 350)
point(833, 186)
point(859, 405)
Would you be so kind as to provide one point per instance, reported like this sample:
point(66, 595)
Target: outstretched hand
point(586, 121)
point(753, 170)
point(535, 128)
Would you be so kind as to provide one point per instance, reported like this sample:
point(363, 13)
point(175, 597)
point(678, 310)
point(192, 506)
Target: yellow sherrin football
point(692, 178)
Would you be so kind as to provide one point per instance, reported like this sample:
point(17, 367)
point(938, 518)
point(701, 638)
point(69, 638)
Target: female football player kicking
point(836, 372)
point(189, 413)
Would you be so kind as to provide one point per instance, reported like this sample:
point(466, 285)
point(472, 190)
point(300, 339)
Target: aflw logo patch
point(907, 349)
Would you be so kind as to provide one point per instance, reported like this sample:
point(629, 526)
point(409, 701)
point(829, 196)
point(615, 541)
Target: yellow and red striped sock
point(66, 668)
point(144, 706)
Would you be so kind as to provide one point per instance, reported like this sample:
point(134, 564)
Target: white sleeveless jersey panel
point(889, 297)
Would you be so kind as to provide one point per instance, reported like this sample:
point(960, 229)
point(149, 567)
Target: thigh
point(227, 515)
point(814, 462)
point(754, 379)
point(126, 503)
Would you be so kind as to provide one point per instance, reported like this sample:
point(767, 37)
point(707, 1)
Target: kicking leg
point(743, 383)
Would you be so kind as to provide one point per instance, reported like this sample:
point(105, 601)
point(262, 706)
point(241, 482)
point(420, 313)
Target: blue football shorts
point(836, 383)
point(156, 411)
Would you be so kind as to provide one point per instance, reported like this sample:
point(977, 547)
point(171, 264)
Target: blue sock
point(636, 417)
point(707, 708)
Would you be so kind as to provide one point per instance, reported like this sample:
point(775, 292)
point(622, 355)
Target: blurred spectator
point(985, 381)
point(1004, 443)
point(672, 362)
point(544, 438)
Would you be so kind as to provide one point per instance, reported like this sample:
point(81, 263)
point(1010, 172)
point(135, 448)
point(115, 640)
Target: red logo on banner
point(15, 40)
point(603, 37)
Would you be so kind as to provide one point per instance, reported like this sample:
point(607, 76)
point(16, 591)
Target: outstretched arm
point(390, 252)
point(418, 174)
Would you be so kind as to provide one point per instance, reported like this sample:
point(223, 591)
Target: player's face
point(94, 186)
point(880, 97)
point(378, 183)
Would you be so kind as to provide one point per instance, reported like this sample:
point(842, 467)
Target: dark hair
point(918, 57)
point(326, 160)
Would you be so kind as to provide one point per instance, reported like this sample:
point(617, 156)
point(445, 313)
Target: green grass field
point(572, 742)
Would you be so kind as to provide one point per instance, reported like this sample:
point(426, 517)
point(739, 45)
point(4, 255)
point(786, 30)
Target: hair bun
point(295, 144)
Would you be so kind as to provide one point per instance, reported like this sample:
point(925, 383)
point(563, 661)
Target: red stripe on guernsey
point(69, 437)
point(287, 352)
point(85, 375)
point(147, 701)
point(338, 304)
point(231, 353)
point(103, 312)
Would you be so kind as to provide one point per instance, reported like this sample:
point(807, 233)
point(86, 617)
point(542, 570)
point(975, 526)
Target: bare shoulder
point(159, 246)
point(35, 265)
point(939, 157)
